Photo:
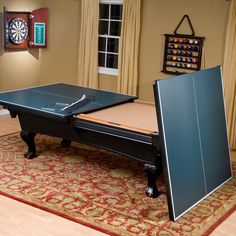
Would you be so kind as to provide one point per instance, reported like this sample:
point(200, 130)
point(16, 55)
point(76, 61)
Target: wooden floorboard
point(18, 219)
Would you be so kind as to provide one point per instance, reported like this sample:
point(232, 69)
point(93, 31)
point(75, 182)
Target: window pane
point(102, 44)
point(101, 59)
point(103, 27)
point(115, 27)
point(116, 12)
point(103, 11)
point(112, 61)
point(113, 45)
point(110, 17)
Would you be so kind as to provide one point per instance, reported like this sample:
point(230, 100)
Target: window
point(110, 19)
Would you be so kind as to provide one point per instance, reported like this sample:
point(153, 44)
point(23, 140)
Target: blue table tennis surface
point(51, 99)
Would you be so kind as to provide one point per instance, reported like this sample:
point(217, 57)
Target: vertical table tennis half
point(193, 133)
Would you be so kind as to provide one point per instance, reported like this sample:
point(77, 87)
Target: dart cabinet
point(183, 52)
point(24, 30)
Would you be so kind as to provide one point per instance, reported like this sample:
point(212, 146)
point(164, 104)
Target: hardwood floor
point(18, 219)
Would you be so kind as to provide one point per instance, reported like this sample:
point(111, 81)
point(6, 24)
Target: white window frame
point(105, 70)
point(111, 2)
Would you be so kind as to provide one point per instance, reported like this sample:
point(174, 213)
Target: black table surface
point(51, 99)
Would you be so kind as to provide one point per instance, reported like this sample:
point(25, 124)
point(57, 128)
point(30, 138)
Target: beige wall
point(56, 63)
point(208, 18)
point(18, 69)
point(59, 61)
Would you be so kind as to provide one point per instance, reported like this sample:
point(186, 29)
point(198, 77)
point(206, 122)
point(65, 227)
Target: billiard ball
point(179, 52)
point(189, 53)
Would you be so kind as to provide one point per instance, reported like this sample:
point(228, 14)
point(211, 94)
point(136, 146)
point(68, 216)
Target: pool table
point(112, 121)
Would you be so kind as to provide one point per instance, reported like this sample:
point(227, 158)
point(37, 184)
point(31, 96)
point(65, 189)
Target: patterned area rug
point(100, 189)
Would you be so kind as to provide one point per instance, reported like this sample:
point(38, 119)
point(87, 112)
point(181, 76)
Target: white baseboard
point(4, 112)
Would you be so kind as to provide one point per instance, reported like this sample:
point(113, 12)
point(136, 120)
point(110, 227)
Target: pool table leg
point(28, 137)
point(152, 173)
point(65, 142)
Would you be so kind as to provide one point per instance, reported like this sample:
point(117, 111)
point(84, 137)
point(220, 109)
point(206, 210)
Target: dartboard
point(18, 30)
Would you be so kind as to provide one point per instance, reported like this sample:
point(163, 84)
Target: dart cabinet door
point(38, 28)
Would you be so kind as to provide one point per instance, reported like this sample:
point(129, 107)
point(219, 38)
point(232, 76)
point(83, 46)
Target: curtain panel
point(229, 75)
point(129, 48)
point(88, 44)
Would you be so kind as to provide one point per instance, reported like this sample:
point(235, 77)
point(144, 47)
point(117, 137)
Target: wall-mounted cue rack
point(182, 53)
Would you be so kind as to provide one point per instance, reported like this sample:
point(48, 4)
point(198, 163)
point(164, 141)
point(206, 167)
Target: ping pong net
point(71, 108)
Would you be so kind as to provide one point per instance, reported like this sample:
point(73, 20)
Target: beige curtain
point(128, 48)
point(229, 75)
point(88, 44)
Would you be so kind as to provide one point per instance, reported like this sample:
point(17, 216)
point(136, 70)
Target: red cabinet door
point(38, 28)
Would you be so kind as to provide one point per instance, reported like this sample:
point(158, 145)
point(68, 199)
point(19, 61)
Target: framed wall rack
point(183, 52)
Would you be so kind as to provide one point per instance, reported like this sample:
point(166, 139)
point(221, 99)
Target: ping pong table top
point(54, 99)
